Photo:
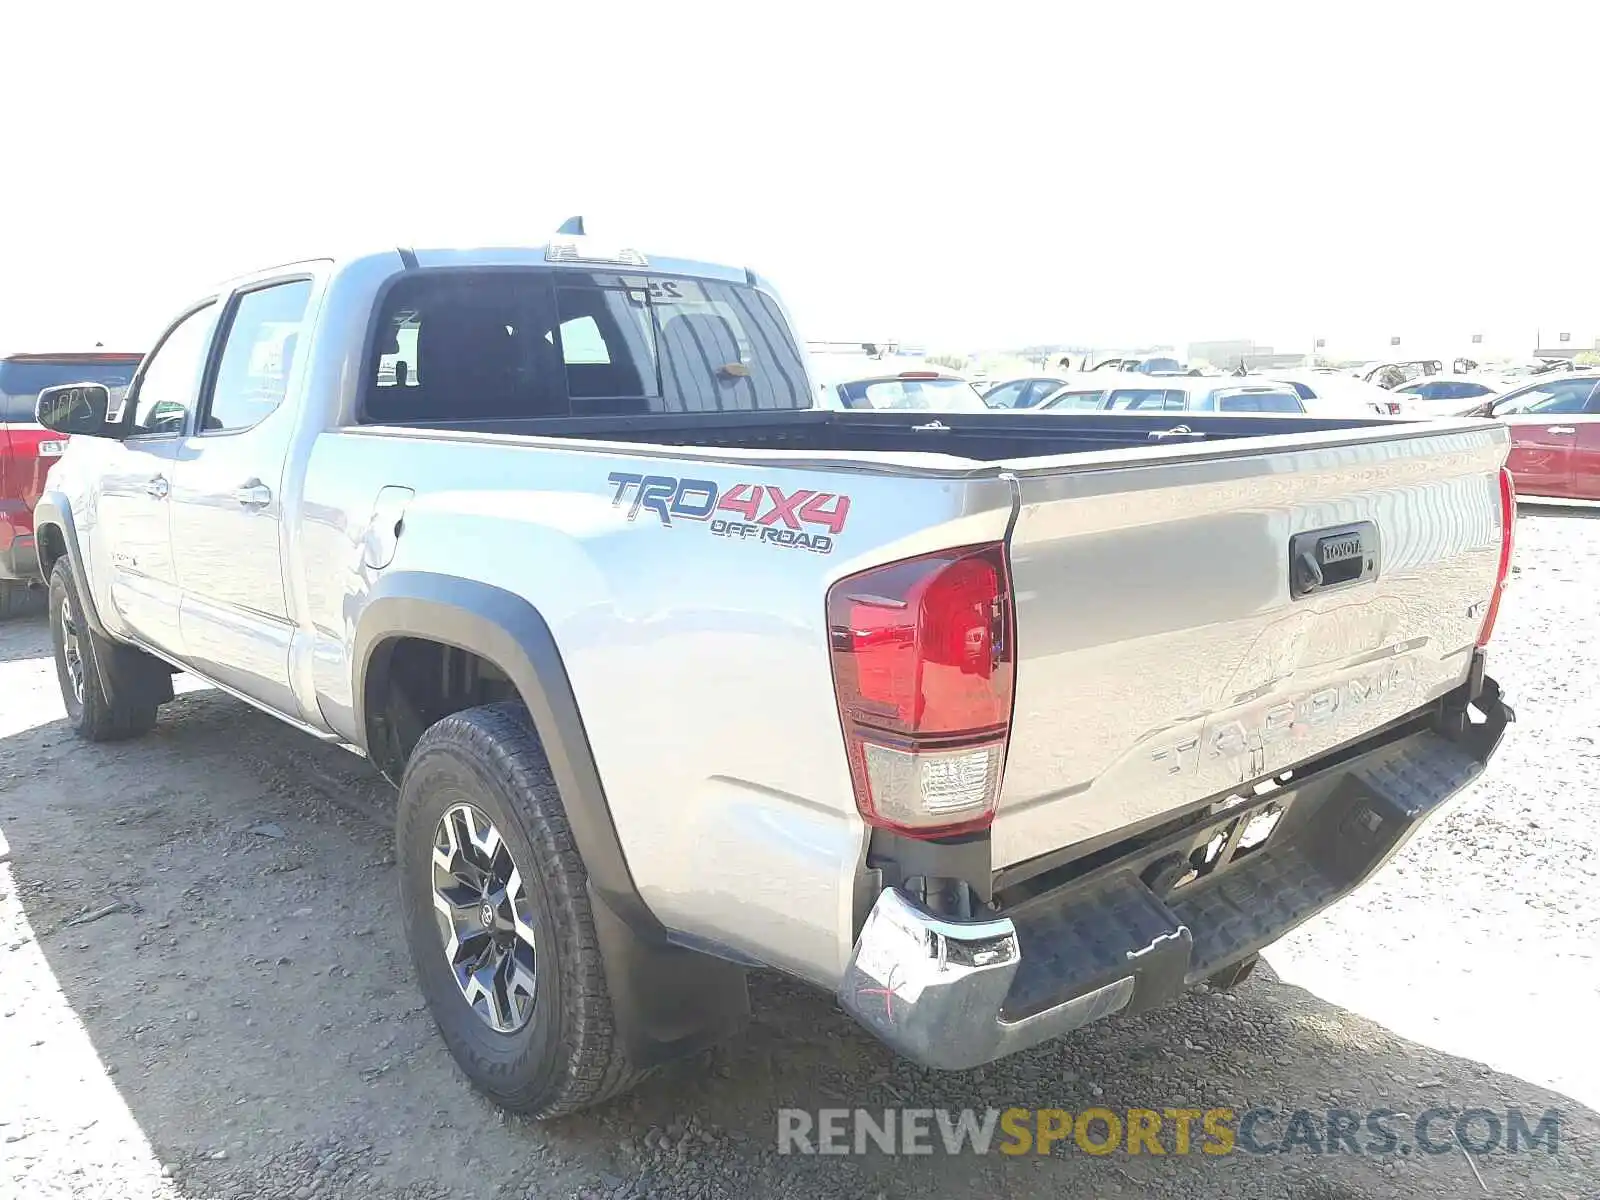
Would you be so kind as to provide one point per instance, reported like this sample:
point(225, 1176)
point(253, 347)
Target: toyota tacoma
point(991, 724)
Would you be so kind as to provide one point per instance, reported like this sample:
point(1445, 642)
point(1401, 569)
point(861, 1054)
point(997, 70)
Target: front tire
point(496, 907)
point(83, 660)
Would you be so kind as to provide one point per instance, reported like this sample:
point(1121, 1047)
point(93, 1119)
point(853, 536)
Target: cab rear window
point(523, 344)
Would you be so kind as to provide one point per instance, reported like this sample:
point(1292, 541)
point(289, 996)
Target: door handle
point(1561, 429)
point(253, 494)
point(158, 487)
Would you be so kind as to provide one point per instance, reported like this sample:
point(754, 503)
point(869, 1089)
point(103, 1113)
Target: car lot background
point(245, 1023)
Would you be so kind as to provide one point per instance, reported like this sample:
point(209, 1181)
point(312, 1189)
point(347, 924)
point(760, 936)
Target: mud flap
point(669, 1002)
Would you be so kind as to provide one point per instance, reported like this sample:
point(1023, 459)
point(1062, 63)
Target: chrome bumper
point(933, 989)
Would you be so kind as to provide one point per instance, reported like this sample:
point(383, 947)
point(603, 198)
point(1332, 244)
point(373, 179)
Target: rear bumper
point(1128, 935)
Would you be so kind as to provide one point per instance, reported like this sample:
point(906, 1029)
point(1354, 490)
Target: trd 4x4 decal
point(756, 512)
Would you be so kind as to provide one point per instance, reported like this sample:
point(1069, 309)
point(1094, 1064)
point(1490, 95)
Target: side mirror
point(78, 409)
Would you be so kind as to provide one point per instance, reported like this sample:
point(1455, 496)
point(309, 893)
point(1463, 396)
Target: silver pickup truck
point(992, 724)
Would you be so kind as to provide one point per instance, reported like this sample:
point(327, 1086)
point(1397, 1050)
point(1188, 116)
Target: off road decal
point(755, 512)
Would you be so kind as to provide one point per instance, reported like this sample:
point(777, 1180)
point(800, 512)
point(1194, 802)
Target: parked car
point(1025, 392)
point(1393, 374)
point(1151, 364)
point(28, 450)
point(1451, 395)
point(1555, 435)
point(1334, 393)
point(921, 390)
point(983, 729)
point(1180, 394)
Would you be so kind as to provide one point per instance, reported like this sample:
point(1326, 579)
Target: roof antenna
point(571, 227)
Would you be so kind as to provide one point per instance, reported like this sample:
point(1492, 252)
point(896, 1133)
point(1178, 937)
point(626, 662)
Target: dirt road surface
point(238, 1019)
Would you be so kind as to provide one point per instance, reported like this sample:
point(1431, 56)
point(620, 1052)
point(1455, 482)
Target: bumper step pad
point(1080, 938)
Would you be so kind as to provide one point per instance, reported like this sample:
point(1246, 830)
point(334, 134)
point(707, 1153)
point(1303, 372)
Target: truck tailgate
point(1163, 656)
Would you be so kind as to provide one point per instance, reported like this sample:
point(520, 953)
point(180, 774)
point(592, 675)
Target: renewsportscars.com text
point(1175, 1131)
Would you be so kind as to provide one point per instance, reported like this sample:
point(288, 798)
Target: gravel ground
point(242, 1023)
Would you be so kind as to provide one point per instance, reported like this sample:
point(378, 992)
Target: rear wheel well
point(412, 683)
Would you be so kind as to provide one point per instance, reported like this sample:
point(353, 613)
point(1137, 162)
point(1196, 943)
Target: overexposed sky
point(964, 175)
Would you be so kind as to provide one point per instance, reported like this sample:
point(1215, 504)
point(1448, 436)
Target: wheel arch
point(509, 633)
point(55, 533)
point(669, 1000)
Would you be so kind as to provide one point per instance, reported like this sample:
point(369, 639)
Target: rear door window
point(1263, 402)
point(1037, 391)
point(1078, 401)
point(1146, 399)
point(1564, 396)
point(1006, 395)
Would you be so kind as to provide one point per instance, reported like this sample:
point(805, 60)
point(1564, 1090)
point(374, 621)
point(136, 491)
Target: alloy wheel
point(485, 918)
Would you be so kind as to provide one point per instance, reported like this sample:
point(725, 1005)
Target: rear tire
point(139, 683)
point(549, 1049)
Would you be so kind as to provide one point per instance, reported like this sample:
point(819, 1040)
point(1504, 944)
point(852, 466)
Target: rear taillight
point(922, 669)
point(1393, 407)
point(1508, 538)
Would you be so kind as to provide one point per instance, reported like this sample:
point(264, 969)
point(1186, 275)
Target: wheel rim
point(72, 653)
point(485, 918)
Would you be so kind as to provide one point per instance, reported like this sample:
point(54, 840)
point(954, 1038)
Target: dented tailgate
point(1192, 618)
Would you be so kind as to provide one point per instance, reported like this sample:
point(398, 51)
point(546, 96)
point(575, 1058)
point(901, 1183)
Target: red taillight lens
point(1393, 406)
point(922, 669)
point(1508, 538)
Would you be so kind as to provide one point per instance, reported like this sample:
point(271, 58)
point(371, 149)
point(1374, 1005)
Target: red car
point(27, 450)
point(1555, 435)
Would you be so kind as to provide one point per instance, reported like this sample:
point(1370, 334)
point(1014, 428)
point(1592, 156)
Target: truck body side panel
point(698, 660)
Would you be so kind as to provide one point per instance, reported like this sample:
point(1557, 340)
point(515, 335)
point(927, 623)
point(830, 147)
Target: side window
point(1078, 401)
point(171, 381)
point(260, 348)
point(1266, 402)
point(1566, 397)
point(1146, 399)
point(1037, 391)
point(1006, 395)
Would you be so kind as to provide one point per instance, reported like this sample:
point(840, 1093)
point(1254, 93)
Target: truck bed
point(979, 437)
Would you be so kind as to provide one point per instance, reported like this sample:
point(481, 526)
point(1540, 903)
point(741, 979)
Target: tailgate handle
point(1323, 560)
